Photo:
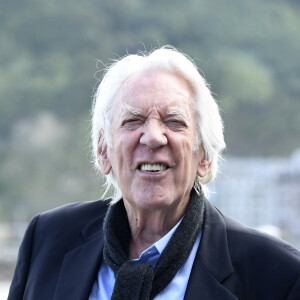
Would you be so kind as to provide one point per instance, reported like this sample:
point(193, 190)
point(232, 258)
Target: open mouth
point(153, 167)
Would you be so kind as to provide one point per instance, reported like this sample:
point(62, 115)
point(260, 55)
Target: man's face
point(153, 137)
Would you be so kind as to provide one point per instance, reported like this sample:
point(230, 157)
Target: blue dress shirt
point(105, 281)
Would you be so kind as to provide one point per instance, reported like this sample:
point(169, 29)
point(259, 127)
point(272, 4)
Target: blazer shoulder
point(69, 220)
point(258, 265)
point(258, 246)
point(49, 237)
point(77, 210)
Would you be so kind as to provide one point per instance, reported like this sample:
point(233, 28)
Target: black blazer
point(62, 251)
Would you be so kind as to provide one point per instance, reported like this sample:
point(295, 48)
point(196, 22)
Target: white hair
point(209, 125)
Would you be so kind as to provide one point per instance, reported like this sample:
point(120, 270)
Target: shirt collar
point(152, 254)
point(161, 244)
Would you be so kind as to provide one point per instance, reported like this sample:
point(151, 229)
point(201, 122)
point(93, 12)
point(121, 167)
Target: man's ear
point(204, 167)
point(103, 160)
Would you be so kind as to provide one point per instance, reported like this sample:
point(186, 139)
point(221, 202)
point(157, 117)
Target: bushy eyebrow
point(180, 113)
point(127, 109)
point(176, 112)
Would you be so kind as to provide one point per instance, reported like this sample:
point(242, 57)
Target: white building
point(260, 192)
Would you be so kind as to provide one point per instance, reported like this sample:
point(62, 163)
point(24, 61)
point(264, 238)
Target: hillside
point(51, 58)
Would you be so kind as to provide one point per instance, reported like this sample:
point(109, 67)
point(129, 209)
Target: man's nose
point(153, 135)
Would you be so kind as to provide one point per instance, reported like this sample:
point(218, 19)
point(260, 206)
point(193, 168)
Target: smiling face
point(153, 136)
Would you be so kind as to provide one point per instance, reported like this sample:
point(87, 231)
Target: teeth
point(153, 167)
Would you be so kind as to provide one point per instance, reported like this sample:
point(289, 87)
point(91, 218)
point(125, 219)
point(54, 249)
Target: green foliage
point(248, 51)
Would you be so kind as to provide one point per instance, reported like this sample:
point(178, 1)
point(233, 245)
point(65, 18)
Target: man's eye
point(132, 123)
point(175, 124)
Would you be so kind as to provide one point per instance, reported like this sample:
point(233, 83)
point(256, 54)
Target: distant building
point(260, 192)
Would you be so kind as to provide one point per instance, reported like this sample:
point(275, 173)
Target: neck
point(149, 226)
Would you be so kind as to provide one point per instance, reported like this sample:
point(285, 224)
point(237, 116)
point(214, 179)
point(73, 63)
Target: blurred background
point(51, 57)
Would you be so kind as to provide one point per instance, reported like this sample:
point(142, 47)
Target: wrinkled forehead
point(161, 89)
point(161, 79)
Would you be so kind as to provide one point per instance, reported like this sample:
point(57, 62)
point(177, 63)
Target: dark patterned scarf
point(138, 281)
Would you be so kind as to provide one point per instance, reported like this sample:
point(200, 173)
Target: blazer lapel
point(212, 264)
point(81, 265)
point(202, 285)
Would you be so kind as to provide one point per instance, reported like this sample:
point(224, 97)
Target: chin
point(153, 199)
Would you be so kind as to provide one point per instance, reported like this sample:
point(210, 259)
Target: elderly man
point(157, 136)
